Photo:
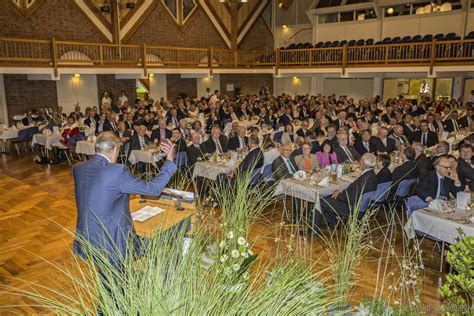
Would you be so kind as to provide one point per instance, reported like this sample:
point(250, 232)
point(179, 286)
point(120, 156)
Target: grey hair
point(368, 160)
point(106, 142)
point(417, 147)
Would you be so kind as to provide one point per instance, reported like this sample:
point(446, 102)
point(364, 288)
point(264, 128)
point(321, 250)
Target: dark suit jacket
point(406, 170)
point(155, 134)
point(135, 142)
point(180, 145)
point(315, 147)
point(88, 121)
point(108, 126)
point(284, 119)
point(431, 138)
point(296, 152)
point(389, 148)
point(107, 220)
point(126, 133)
point(428, 186)
point(367, 182)
point(194, 153)
point(234, 142)
point(26, 121)
point(265, 120)
point(408, 132)
point(463, 122)
point(449, 126)
point(342, 156)
point(210, 146)
point(424, 165)
point(384, 175)
point(253, 160)
point(465, 173)
point(280, 170)
point(359, 146)
point(303, 133)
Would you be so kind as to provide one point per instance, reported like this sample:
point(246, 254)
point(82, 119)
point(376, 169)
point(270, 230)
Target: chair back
point(364, 201)
point(181, 159)
point(256, 174)
point(381, 194)
point(404, 187)
point(23, 135)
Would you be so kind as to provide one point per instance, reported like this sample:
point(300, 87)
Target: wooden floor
point(38, 213)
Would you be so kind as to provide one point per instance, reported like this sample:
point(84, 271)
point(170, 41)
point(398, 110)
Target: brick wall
point(176, 85)
point(54, 18)
point(259, 37)
point(248, 83)
point(113, 86)
point(23, 94)
point(159, 28)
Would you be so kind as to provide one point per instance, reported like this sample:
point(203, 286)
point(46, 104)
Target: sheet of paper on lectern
point(146, 213)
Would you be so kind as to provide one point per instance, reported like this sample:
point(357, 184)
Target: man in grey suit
point(102, 190)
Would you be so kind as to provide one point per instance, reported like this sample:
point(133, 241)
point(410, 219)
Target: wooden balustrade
point(56, 54)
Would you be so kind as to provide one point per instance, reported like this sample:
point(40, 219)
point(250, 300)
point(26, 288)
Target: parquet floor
point(38, 214)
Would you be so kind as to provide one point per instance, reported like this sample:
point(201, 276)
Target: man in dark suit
point(304, 130)
point(178, 140)
point(173, 118)
point(340, 203)
point(161, 133)
point(408, 127)
point(464, 168)
point(423, 163)
point(465, 121)
point(110, 125)
point(341, 120)
point(216, 143)
point(253, 160)
point(365, 144)
point(384, 143)
point(239, 141)
point(102, 190)
point(91, 119)
point(398, 137)
point(441, 182)
point(424, 136)
point(195, 150)
point(332, 134)
point(407, 170)
point(344, 151)
point(284, 167)
point(451, 124)
point(264, 117)
point(284, 117)
point(433, 124)
point(140, 139)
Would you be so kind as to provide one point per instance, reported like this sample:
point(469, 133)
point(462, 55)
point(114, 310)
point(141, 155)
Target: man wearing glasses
point(440, 182)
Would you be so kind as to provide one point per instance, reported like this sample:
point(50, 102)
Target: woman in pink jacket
point(327, 156)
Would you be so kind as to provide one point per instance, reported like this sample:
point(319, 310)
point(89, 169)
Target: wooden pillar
point(234, 23)
point(115, 20)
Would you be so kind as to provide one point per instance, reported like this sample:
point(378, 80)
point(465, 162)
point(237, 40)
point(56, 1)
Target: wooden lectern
point(163, 221)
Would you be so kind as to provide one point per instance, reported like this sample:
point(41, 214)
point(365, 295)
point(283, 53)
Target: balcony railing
point(57, 54)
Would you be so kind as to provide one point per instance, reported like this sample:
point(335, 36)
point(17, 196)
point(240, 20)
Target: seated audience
point(195, 150)
point(384, 143)
point(464, 166)
point(288, 136)
point(326, 156)
point(340, 203)
point(307, 161)
point(365, 144)
point(344, 151)
point(161, 133)
point(398, 137)
point(239, 141)
point(424, 136)
point(384, 175)
point(284, 167)
point(217, 143)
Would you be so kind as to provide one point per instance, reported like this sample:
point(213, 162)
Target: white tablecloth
point(210, 170)
point(437, 226)
point(144, 156)
point(9, 133)
point(85, 147)
point(47, 141)
point(311, 193)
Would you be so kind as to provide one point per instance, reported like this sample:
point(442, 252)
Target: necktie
point(242, 142)
point(289, 166)
point(442, 189)
point(432, 128)
point(455, 125)
point(218, 147)
point(367, 147)
point(423, 139)
point(348, 153)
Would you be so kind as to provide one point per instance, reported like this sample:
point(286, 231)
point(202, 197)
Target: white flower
point(244, 254)
point(241, 241)
point(235, 253)
point(246, 245)
point(235, 267)
point(246, 276)
point(222, 244)
point(230, 235)
point(224, 258)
